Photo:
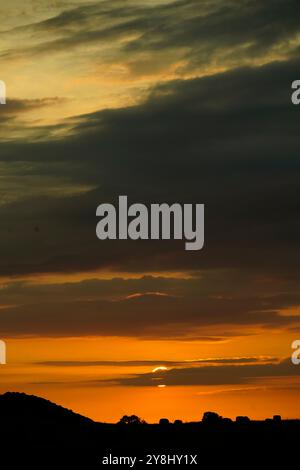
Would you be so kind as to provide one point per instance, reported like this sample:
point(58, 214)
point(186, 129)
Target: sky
point(164, 101)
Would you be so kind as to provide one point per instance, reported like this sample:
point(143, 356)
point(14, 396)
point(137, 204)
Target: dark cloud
point(149, 307)
point(207, 284)
point(147, 316)
point(212, 375)
point(229, 141)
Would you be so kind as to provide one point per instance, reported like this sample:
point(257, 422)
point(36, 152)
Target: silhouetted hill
point(20, 407)
point(31, 426)
point(34, 429)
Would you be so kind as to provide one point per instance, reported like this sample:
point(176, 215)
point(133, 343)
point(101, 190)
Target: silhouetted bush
point(164, 422)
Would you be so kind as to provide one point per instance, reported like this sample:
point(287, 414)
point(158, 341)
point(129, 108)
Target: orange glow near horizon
point(83, 388)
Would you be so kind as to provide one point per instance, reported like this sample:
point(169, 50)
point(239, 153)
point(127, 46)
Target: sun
point(156, 369)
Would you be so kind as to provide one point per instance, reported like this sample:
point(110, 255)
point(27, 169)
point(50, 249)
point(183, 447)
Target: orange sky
point(74, 386)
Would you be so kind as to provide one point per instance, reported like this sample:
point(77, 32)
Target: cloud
point(16, 107)
point(213, 33)
point(228, 140)
point(146, 316)
point(154, 363)
point(212, 375)
point(237, 130)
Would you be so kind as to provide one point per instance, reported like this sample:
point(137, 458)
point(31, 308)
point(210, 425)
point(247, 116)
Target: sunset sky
point(164, 101)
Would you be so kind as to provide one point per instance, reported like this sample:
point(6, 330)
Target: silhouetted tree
point(210, 417)
point(133, 419)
